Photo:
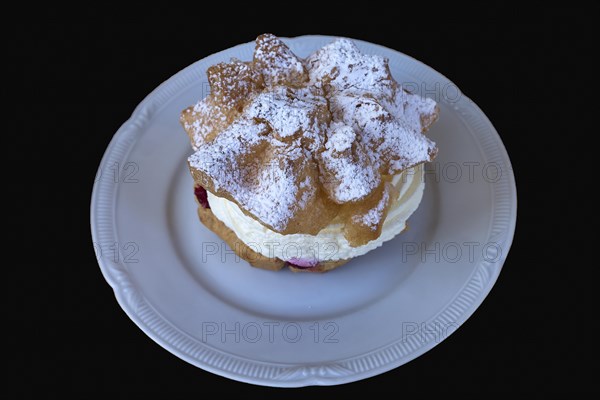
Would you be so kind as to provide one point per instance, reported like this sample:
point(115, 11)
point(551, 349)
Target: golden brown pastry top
point(296, 143)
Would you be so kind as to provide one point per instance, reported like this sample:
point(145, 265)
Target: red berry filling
point(202, 196)
point(302, 263)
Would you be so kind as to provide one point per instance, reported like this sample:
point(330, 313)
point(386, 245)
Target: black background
point(79, 74)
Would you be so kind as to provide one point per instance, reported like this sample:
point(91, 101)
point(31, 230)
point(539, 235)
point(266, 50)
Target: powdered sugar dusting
point(392, 144)
point(231, 84)
point(220, 159)
point(274, 200)
point(342, 67)
point(267, 189)
point(203, 120)
point(277, 63)
point(340, 138)
point(416, 111)
point(290, 112)
point(274, 131)
point(346, 175)
point(373, 217)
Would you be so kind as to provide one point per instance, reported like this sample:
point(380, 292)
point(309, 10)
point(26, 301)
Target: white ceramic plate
point(183, 287)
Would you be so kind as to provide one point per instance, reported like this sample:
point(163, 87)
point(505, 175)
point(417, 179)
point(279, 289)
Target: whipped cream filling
point(329, 244)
